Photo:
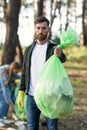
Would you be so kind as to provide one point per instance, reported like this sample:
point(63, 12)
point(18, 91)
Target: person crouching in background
point(8, 73)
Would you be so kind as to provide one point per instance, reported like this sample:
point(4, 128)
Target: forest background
point(17, 25)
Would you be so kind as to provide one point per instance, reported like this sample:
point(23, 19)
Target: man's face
point(41, 31)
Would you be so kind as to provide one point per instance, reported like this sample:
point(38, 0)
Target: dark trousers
point(33, 115)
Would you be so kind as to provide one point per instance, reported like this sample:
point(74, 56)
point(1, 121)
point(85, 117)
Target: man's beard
point(41, 37)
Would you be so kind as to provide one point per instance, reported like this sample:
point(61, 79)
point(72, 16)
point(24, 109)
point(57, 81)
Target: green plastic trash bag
point(68, 37)
point(53, 93)
point(20, 112)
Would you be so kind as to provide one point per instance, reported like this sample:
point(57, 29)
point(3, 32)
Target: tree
point(84, 22)
point(39, 11)
point(12, 49)
point(40, 8)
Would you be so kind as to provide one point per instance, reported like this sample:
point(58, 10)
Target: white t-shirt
point(37, 60)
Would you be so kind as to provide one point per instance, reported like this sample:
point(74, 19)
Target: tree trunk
point(84, 22)
point(67, 15)
point(12, 49)
point(40, 8)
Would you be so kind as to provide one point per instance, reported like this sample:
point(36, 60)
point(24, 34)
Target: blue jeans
point(33, 115)
point(3, 106)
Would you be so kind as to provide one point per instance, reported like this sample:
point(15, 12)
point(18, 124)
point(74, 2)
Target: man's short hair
point(42, 19)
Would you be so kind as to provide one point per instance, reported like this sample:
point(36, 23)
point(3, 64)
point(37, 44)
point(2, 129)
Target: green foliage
point(56, 40)
point(79, 83)
point(76, 54)
point(0, 46)
point(24, 2)
point(76, 65)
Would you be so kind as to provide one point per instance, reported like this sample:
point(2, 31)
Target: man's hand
point(57, 51)
point(20, 99)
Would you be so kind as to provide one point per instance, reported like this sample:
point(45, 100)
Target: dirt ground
point(78, 119)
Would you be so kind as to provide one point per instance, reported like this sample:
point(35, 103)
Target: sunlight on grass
point(76, 57)
point(77, 52)
point(79, 82)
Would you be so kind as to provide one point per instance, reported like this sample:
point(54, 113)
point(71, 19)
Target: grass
point(76, 67)
point(76, 64)
point(76, 57)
